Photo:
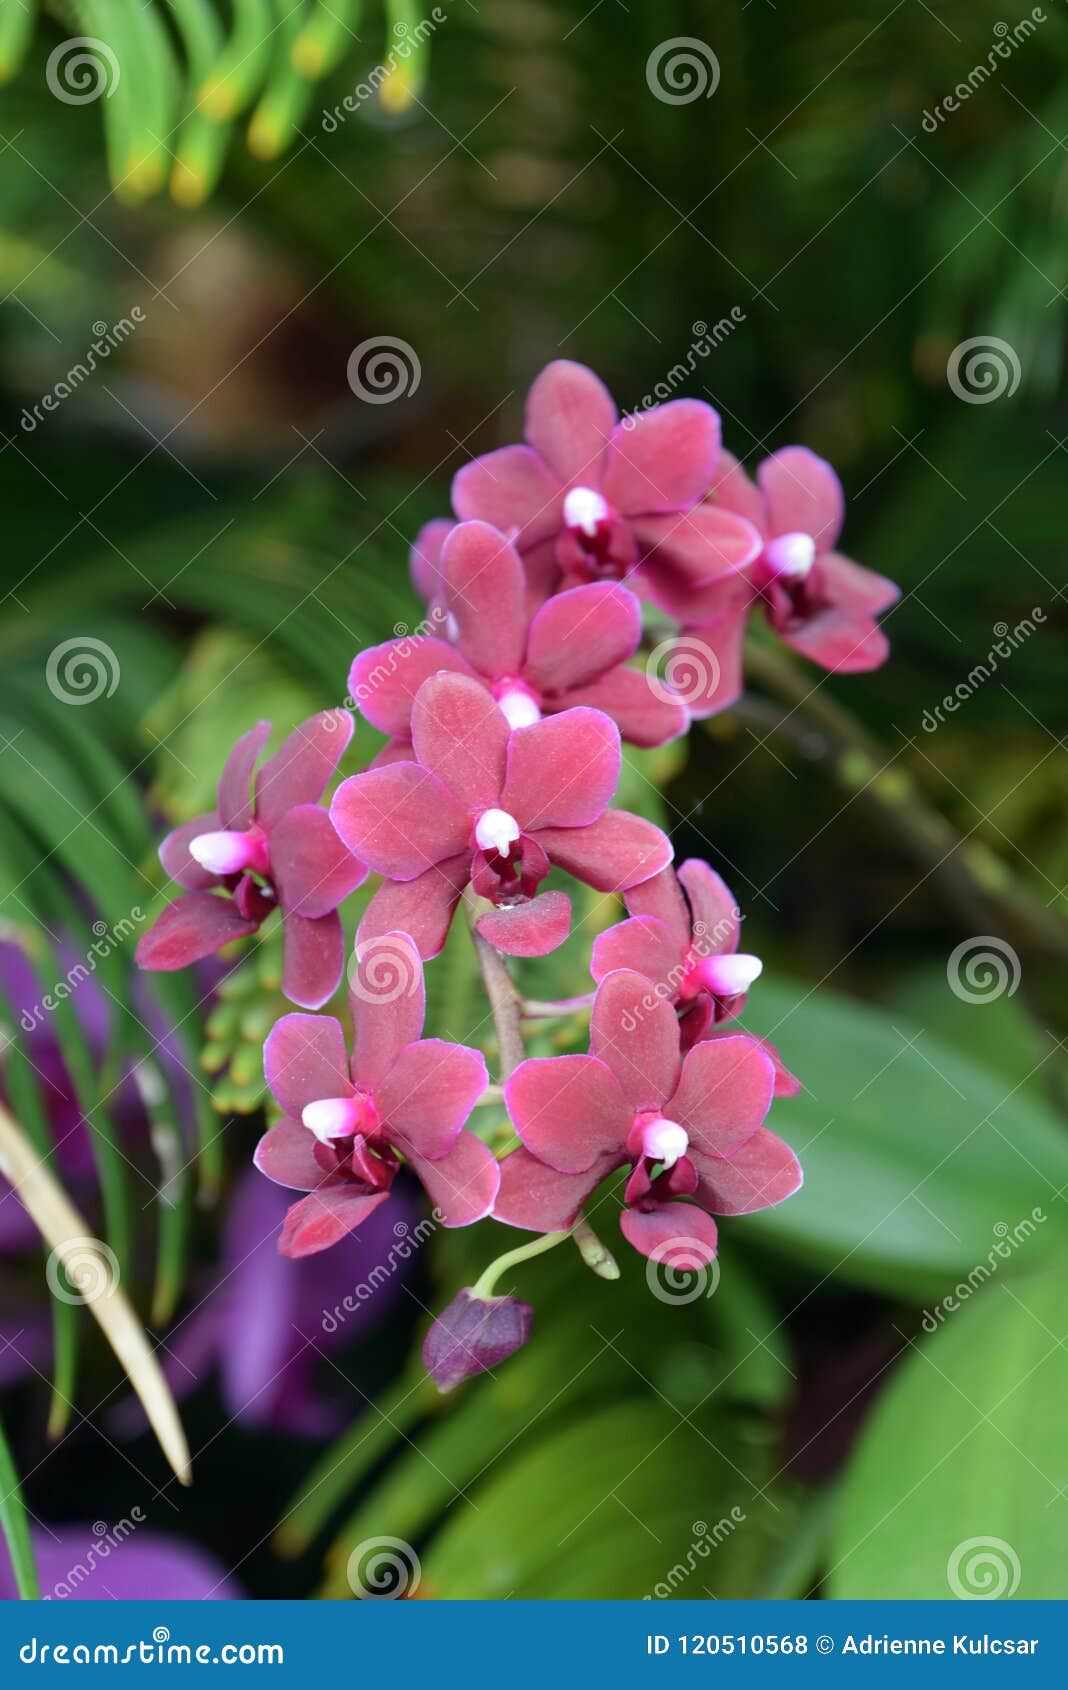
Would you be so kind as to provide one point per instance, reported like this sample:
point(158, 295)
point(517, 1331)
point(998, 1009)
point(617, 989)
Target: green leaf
point(650, 1505)
point(912, 1153)
point(16, 1526)
point(962, 1471)
point(996, 1031)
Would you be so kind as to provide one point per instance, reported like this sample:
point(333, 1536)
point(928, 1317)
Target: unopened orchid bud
point(474, 1334)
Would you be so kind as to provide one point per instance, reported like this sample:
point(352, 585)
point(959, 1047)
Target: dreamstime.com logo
point(108, 338)
point(437, 623)
point(982, 1569)
point(383, 1569)
point(705, 1539)
point(1006, 641)
point(384, 368)
point(407, 1240)
point(707, 941)
point(408, 39)
point(81, 670)
point(385, 969)
point(1008, 1241)
point(84, 1270)
point(106, 940)
point(983, 968)
point(675, 1275)
point(1007, 37)
point(106, 1541)
point(682, 70)
point(81, 70)
point(983, 369)
point(155, 1651)
point(683, 670)
point(706, 337)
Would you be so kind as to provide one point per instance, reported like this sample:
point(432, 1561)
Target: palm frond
point(173, 77)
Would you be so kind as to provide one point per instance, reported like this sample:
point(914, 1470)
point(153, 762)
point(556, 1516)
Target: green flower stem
point(483, 1287)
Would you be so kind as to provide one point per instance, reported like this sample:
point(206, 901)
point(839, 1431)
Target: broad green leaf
point(626, 1501)
point(996, 1032)
point(913, 1155)
point(960, 1482)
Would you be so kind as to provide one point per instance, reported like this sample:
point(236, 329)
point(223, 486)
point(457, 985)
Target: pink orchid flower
point(818, 601)
point(348, 1123)
point(489, 806)
point(683, 936)
point(590, 498)
point(572, 651)
point(689, 1128)
point(276, 850)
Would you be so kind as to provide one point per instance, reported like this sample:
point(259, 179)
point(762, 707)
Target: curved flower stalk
point(504, 728)
point(273, 849)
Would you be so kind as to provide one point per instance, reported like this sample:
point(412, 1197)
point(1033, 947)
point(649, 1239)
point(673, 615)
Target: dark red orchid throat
point(366, 1157)
point(790, 580)
point(594, 544)
point(507, 880)
point(254, 898)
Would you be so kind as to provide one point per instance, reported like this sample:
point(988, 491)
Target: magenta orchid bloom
point(348, 1123)
point(275, 850)
point(573, 651)
point(590, 498)
point(689, 1128)
point(822, 604)
point(683, 936)
point(489, 806)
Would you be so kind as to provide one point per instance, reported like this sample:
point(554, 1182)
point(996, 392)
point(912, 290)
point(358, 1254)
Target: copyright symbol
point(825, 1645)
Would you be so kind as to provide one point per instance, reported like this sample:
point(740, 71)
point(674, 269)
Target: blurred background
point(848, 226)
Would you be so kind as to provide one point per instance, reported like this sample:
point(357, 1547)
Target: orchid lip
point(230, 852)
point(518, 704)
point(729, 976)
point(331, 1117)
point(791, 556)
point(584, 508)
point(496, 830)
point(664, 1141)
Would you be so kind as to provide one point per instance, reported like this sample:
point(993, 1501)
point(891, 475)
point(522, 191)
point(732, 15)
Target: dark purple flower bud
point(473, 1335)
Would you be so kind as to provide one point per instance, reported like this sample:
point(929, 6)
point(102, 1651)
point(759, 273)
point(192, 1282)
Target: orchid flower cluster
point(503, 755)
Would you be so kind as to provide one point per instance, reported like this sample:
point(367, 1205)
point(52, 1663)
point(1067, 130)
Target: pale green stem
point(483, 1287)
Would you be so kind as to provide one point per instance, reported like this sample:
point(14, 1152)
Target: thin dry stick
point(68, 1235)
